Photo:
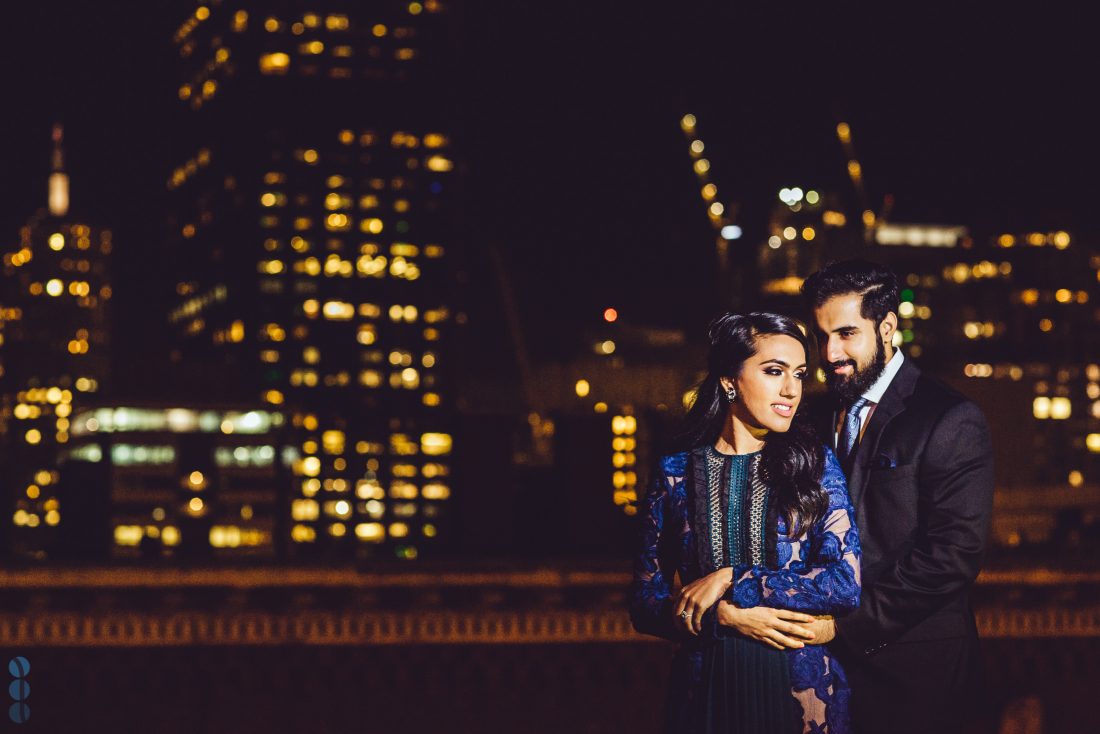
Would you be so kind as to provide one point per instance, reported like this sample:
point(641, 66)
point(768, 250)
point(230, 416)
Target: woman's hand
point(699, 596)
point(780, 628)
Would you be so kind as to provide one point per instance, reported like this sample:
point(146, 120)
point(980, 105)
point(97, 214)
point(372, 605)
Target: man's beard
point(850, 387)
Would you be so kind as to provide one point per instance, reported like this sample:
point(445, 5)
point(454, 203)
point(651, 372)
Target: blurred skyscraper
point(166, 481)
point(310, 242)
point(1010, 319)
point(54, 351)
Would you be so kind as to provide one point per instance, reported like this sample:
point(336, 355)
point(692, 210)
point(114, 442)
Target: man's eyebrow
point(851, 327)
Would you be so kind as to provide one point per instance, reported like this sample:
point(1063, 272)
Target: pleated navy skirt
point(744, 688)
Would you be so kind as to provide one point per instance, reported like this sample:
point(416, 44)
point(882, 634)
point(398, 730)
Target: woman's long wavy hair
point(793, 462)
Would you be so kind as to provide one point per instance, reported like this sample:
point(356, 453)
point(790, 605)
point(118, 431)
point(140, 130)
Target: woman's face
point(769, 387)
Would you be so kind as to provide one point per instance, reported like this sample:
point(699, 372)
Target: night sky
point(573, 163)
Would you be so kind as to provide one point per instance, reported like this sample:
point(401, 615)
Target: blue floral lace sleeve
point(818, 572)
point(651, 589)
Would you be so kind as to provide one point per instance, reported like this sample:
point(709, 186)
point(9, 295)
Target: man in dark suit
point(920, 474)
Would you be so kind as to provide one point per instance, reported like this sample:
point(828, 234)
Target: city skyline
point(284, 171)
point(317, 377)
point(580, 176)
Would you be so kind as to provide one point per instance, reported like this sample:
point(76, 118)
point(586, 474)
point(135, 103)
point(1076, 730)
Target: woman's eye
point(774, 371)
point(800, 375)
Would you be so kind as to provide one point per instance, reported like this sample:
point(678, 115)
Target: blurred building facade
point(55, 338)
point(1009, 319)
point(154, 482)
point(311, 242)
point(1013, 324)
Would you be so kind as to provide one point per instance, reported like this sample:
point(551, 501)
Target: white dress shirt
point(874, 394)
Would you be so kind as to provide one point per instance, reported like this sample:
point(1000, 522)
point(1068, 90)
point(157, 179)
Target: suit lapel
point(892, 404)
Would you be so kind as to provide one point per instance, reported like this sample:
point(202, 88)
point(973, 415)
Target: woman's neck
point(739, 438)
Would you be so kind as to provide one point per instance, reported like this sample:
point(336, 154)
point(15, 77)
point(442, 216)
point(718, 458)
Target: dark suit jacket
point(921, 483)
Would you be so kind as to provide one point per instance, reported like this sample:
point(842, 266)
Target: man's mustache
point(842, 363)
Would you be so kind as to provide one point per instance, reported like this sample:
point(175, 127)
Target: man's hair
point(874, 283)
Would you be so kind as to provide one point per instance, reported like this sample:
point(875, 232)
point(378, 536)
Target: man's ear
point(888, 326)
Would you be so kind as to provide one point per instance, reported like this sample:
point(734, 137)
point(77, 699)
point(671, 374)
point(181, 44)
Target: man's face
point(853, 350)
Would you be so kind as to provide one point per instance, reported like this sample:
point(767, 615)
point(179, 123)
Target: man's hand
point(824, 630)
point(699, 596)
point(779, 628)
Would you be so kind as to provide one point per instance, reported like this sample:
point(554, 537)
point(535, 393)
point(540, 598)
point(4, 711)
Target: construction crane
point(538, 450)
point(721, 216)
point(855, 172)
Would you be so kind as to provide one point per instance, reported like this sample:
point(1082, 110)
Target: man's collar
point(875, 392)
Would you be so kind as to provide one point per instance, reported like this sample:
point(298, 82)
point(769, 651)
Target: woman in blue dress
point(755, 518)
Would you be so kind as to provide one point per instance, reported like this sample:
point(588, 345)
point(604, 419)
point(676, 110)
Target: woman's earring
point(731, 394)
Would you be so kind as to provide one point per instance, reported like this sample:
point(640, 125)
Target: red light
point(610, 314)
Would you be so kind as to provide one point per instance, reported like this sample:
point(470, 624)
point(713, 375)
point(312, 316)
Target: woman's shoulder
point(832, 464)
point(674, 465)
point(833, 479)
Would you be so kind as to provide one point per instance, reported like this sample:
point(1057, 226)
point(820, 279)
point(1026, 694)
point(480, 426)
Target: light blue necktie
point(850, 433)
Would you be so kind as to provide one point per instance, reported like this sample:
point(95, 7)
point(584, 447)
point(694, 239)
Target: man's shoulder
point(929, 388)
point(934, 400)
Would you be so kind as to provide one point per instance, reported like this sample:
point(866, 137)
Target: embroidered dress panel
point(758, 505)
point(715, 470)
point(735, 495)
